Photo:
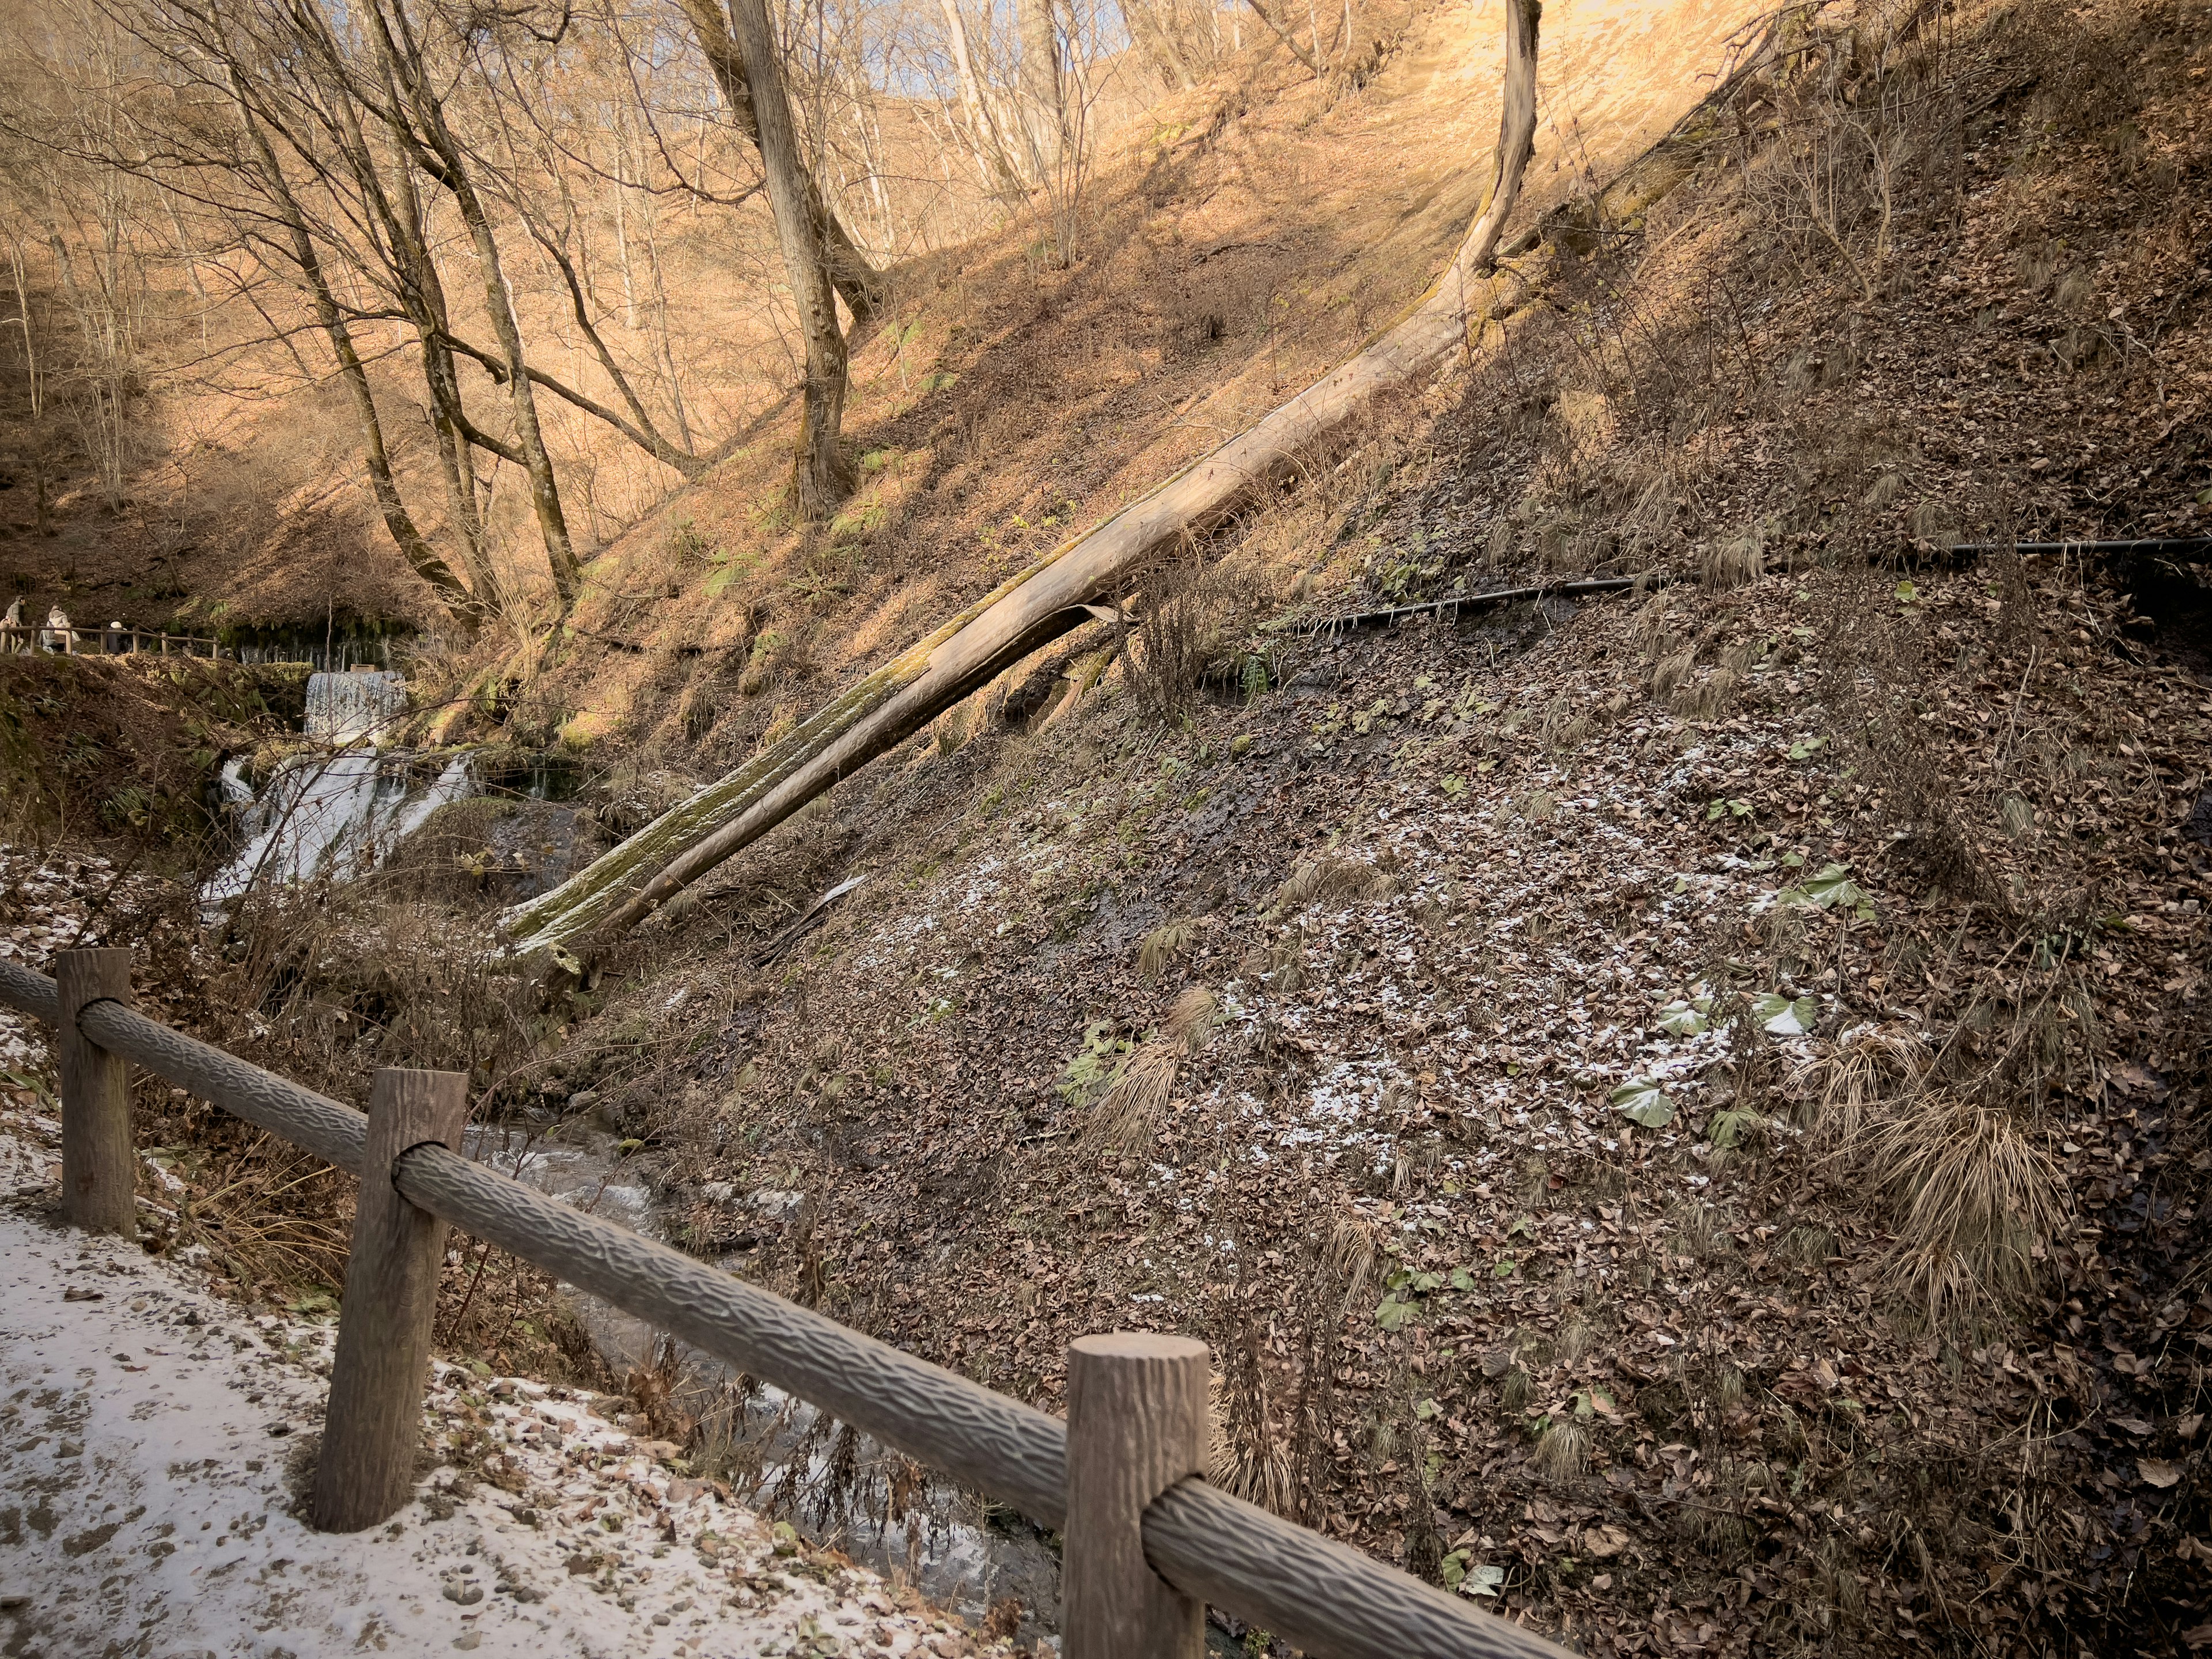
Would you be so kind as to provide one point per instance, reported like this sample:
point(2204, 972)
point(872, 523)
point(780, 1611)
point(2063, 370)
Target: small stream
point(942, 1538)
point(337, 811)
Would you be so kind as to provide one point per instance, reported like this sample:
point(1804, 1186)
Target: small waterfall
point(236, 791)
point(337, 813)
point(354, 707)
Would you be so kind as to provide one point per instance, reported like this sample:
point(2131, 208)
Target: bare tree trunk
point(984, 130)
point(397, 213)
point(1046, 115)
point(428, 140)
point(621, 228)
point(1046, 600)
point(468, 609)
point(820, 475)
point(858, 282)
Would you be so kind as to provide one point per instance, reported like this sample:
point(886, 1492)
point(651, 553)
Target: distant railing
point(1148, 1543)
point(112, 640)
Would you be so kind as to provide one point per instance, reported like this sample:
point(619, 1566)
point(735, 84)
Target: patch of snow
point(145, 1437)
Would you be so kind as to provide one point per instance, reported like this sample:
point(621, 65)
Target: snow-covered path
point(147, 1428)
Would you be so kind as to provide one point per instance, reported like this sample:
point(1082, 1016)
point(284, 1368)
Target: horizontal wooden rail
point(1321, 1596)
point(80, 640)
point(1014, 1452)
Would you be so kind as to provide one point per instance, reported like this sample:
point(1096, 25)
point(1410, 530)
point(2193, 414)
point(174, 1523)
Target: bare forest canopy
point(298, 283)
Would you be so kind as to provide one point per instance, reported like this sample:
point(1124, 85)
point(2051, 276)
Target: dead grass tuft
point(1190, 1020)
point(1350, 1254)
point(1671, 671)
point(1735, 563)
point(1319, 879)
point(1129, 1113)
point(1977, 1199)
point(1707, 699)
point(1562, 1448)
point(1163, 945)
point(1247, 1454)
point(1868, 1067)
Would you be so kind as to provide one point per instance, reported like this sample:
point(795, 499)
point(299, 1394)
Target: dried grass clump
point(1350, 1252)
point(1247, 1456)
point(1735, 563)
point(1285, 971)
point(1163, 945)
point(1190, 1019)
point(1318, 879)
point(1706, 699)
point(1977, 1199)
point(1868, 1067)
point(1562, 1450)
point(1576, 1338)
point(1654, 638)
point(1128, 1114)
point(1672, 671)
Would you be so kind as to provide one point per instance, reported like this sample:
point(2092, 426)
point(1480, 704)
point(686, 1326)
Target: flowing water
point(336, 811)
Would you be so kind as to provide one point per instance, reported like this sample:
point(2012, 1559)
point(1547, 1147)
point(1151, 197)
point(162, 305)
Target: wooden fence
point(1148, 1543)
point(110, 642)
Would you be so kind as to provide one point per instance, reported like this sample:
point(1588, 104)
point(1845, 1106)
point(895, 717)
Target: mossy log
point(1039, 604)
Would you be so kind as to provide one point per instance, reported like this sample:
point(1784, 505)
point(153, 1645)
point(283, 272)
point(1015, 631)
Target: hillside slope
point(1678, 1112)
point(1681, 1113)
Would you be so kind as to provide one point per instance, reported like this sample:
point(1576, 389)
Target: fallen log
point(1044, 601)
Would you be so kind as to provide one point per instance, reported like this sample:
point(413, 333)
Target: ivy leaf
point(1681, 1019)
point(1462, 1279)
point(1392, 1313)
point(1641, 1101)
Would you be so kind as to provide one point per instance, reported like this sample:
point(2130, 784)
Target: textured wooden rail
point(1321, 1596)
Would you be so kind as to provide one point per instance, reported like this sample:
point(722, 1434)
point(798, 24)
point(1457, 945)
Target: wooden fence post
point(1137, 1411)
point(365, 1471)
point(98, 1173)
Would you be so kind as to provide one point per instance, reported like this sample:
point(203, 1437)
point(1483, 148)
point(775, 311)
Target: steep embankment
point(1262, 228)
point(1678, 1114)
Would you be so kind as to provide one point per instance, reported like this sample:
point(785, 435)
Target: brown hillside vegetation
point(1260, 231)
point(1320, 1018)
point(1679, 1113)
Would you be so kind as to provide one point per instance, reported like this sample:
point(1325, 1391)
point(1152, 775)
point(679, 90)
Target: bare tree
point(469, 608)
point(742, 73)
point(413, 108)
point(821, 475)
point(939, 670)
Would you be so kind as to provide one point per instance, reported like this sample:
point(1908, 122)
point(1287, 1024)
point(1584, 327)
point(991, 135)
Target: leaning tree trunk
point(820, 477)
point(1047, 599)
